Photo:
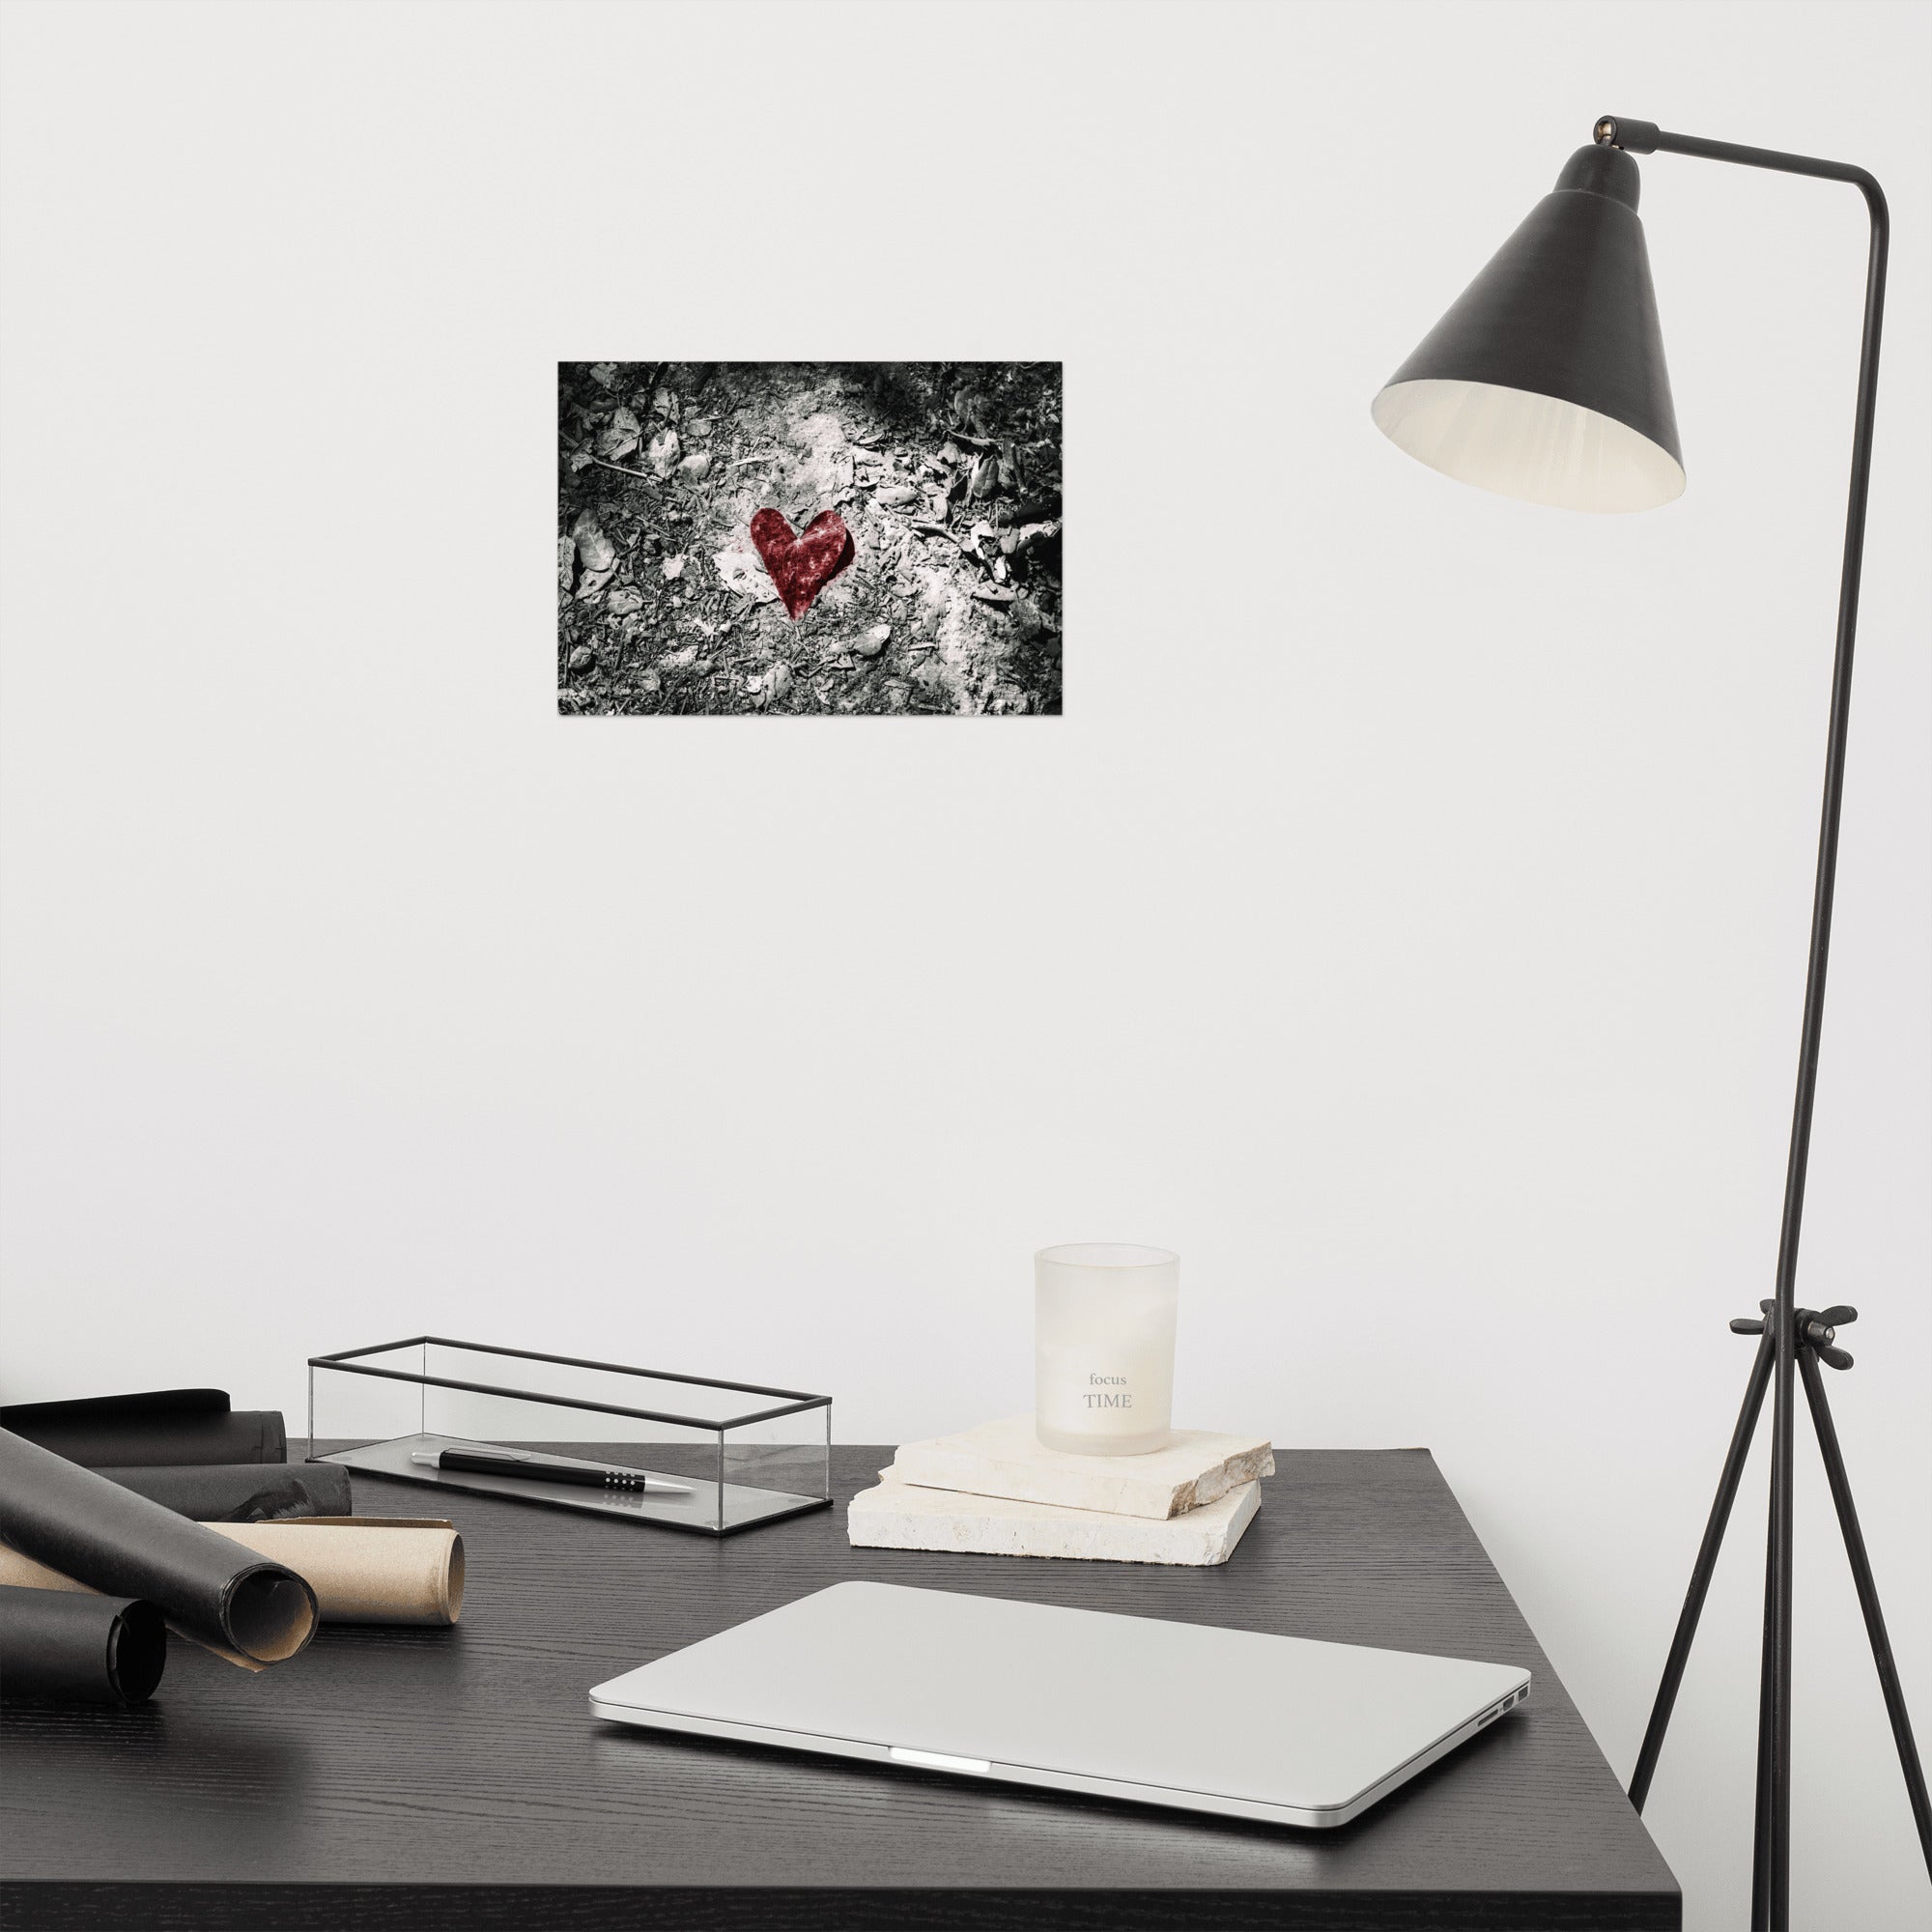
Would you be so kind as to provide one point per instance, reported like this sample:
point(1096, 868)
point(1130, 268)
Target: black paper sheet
point(170, 1425)
point(74, 1520)
point(243, 1491)
point(62, 1646)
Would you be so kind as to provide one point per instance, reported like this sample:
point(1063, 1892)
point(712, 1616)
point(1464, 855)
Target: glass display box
point(681, 1452)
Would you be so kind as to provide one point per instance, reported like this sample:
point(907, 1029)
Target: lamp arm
point(1772, 1905)
point(1646, 138)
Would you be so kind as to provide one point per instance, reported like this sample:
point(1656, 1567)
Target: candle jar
point(1103, 1348)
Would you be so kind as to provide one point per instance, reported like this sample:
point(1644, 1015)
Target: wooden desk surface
point(453, 1779)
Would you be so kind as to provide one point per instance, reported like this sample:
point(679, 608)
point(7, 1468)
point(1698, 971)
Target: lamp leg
point(1761, 1811)
point(1778, 1630)
point(1701, 1573)
point(1867, 1589)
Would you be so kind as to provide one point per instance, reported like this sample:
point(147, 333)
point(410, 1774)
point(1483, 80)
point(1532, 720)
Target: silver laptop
point(1279, 1729)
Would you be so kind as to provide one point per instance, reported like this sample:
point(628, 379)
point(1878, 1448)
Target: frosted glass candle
point(1103, 1348)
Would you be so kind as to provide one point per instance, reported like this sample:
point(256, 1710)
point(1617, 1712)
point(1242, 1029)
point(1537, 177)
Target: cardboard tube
point(172, 1426)
point(241, 1491)
point(363, 1570)
point(80, 1649)
point(367, 1569)
point(108, 1539)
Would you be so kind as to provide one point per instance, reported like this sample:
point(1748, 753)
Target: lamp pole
point(1771, 1890)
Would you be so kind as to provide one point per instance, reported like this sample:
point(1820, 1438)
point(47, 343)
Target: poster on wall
point(808, 538)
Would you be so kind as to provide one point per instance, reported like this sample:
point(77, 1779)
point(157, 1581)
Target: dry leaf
point(566, 561)
point(603, 373)
point(898, 496)
point(596, 550)
point(986, 476)
point(664, 453)
point(620, 436)
point(742, 570)
point(695, 468)
point(673, 566)
point(1029, 535)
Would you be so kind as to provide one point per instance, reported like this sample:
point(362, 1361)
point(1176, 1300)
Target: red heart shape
point(801, 566)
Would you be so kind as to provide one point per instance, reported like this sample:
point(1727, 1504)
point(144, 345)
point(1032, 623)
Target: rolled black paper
point(243, 1491)
point(166, 1425)
point(217, 1592)
point(64, 1646)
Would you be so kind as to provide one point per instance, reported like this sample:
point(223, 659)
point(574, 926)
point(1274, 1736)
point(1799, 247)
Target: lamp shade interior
point(1540, 449)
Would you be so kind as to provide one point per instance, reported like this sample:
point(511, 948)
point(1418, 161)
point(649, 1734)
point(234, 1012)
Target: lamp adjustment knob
point(1619, 131)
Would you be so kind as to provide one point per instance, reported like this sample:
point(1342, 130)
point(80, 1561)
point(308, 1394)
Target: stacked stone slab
point(995, 1490)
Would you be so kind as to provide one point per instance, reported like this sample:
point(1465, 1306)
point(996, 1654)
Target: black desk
point(452, 1779)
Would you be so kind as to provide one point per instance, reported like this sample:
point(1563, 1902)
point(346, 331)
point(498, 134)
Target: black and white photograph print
point(808, 538)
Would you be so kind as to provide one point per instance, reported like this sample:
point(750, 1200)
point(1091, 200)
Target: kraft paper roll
point(106, 1538)
point(62, 1648)
point(363, 1570)
point(241, 1491)
point(367, 1569)
point(171, 1425)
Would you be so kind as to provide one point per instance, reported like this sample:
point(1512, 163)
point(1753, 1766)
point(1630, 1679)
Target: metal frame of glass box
point(732, 1471)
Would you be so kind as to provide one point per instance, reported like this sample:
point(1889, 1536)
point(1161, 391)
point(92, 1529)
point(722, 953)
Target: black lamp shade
point(1546, 381)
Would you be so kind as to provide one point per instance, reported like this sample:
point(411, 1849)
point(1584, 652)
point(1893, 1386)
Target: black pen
point(545, 1469)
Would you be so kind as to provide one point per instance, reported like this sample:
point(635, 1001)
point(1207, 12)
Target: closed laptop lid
point(1274, 1720)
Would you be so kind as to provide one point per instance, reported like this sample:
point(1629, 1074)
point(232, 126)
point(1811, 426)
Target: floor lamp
point(1547, 382)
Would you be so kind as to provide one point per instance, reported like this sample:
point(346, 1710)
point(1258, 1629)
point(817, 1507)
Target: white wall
point(1405, 922)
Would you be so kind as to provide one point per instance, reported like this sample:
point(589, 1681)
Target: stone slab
point(903, 1516)
point(1005, 1458)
